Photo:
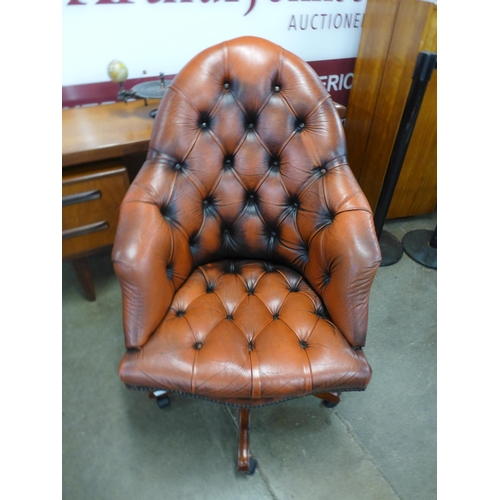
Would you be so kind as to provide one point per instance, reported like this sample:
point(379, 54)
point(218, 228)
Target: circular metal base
point(391, 249)
point(416, 244)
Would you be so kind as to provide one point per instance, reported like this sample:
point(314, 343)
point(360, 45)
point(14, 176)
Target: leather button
point(277, 88)
point(170, 272)
point(229, 317)
point(226, 86)
point(322, 171)
point(198, 345)
point(205, 203)
point(204, 125)
point(302, 126)
point(269, 267)
point(321, 312)
point(303, 344)
point(232, 267)
point(178, 166)
point(250, 125)
point(180, 313)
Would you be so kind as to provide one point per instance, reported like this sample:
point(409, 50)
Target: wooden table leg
point(84, 277)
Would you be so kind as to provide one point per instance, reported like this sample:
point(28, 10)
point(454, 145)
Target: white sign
point(153, 36)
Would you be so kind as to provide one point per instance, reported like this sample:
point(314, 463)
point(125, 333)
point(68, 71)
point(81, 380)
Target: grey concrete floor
point(375, 445)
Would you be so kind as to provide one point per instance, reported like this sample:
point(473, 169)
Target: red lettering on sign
point(112, 1)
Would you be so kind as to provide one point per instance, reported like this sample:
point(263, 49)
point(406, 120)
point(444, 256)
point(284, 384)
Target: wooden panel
point(373, 116)
point(378, 25)
point(416, 191)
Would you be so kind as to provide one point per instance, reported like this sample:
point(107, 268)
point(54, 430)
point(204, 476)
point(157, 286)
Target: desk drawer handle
point(80, 231)
point(81, 197)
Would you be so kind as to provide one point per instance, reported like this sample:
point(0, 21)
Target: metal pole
point(426, 63)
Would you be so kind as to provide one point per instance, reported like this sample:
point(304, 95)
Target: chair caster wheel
point(253, 466)
point(328, 404)
point(162, 401)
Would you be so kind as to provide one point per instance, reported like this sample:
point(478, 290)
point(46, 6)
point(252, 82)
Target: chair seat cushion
point(246, 330)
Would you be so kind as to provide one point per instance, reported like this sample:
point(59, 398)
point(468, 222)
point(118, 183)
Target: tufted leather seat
point(245, 248)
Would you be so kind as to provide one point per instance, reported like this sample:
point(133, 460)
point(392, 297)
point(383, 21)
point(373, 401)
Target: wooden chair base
point(246, 464)
point(330, 399)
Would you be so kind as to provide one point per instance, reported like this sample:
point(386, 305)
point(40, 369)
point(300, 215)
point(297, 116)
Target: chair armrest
point(343, 261)
point(146, 260)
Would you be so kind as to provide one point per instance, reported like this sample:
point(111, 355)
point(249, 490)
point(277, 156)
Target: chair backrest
point(248, 159)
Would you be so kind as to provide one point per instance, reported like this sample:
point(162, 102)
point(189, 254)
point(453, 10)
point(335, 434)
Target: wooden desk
point(103, 148)
point(105, 132)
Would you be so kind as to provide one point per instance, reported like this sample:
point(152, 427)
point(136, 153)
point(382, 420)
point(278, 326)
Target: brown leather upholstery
point(245, 247)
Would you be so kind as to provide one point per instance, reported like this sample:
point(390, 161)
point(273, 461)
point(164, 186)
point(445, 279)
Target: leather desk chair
point(245, 248)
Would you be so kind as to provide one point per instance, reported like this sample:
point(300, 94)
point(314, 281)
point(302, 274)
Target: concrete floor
point(375, 445)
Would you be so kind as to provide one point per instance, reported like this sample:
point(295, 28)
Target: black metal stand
point(391, 248)
point(421, 246)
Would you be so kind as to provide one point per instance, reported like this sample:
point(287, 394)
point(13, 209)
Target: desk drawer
point(93, 191)
point(88, 232)
point(91, 200)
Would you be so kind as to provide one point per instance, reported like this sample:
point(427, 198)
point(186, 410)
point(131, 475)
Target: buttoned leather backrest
point(247, 159)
